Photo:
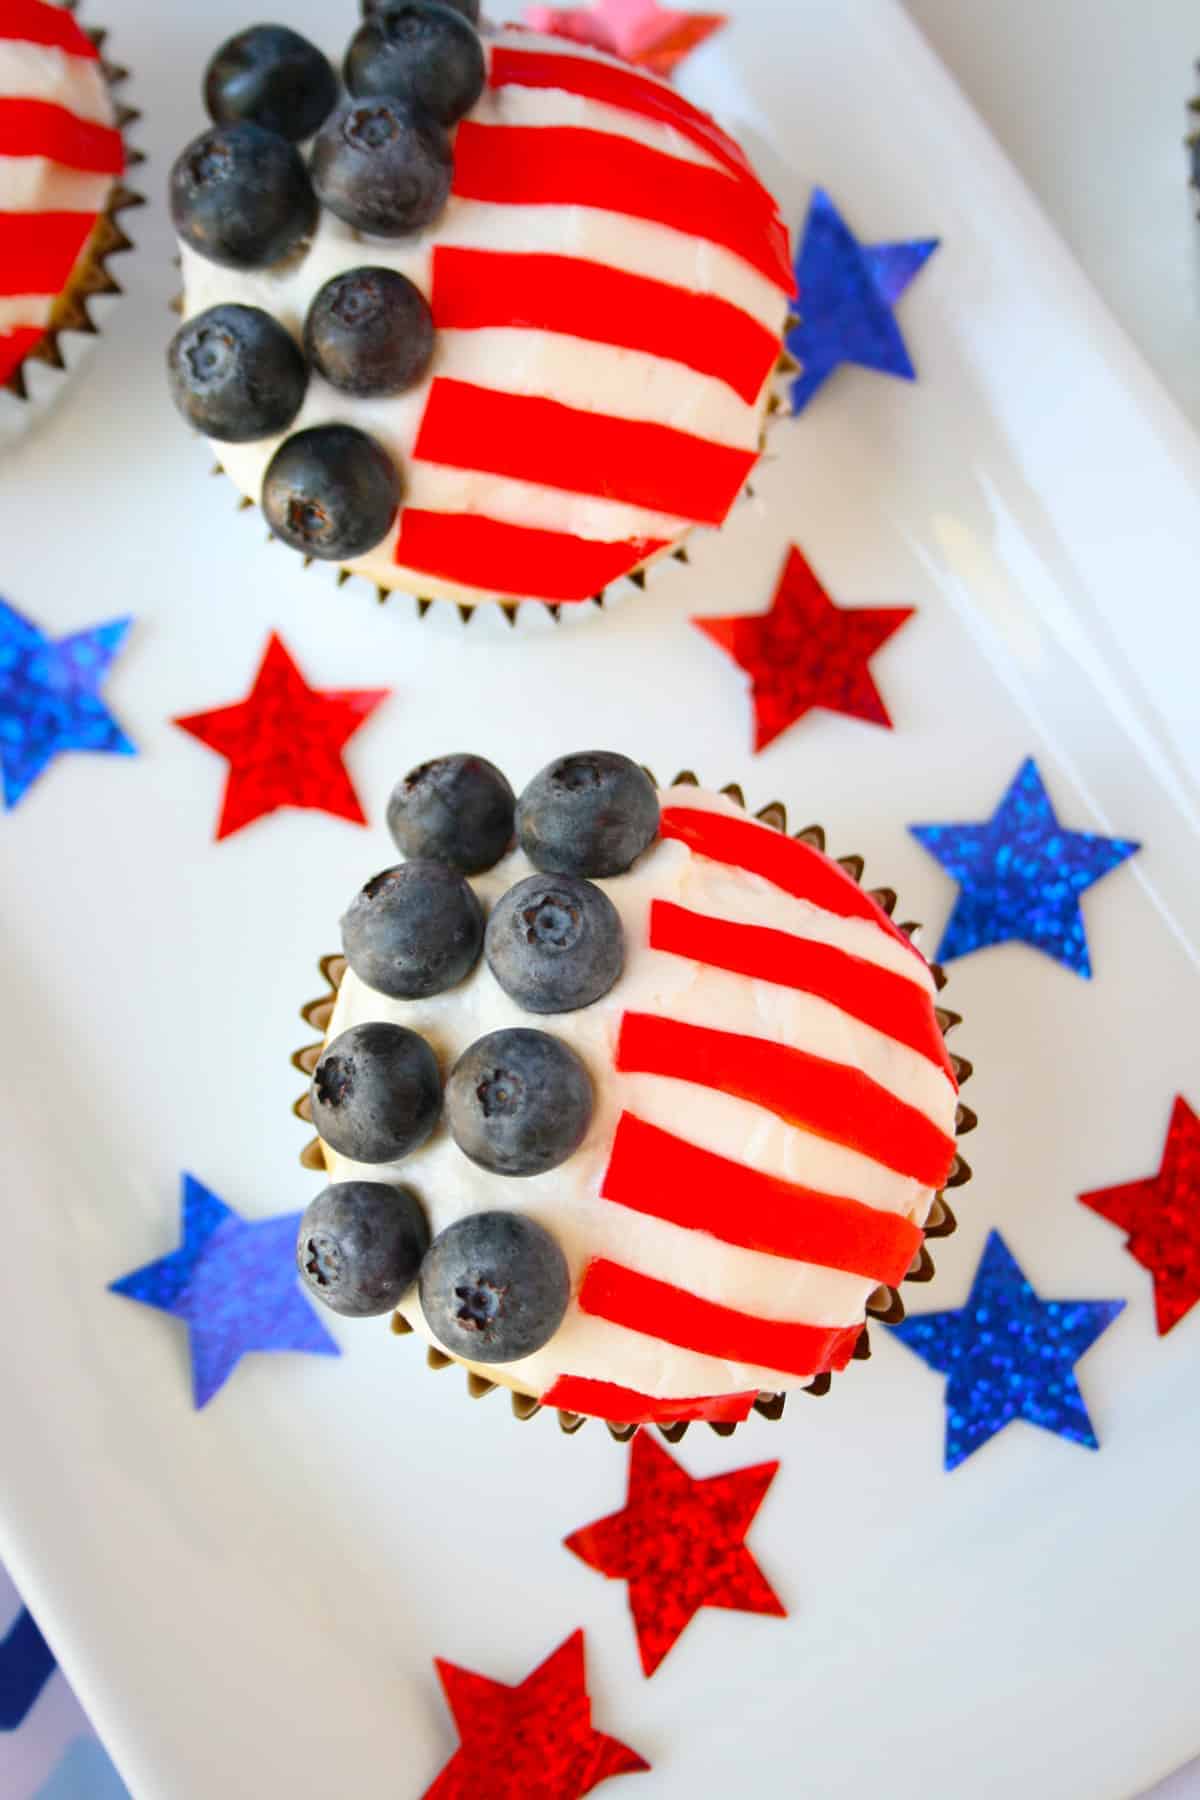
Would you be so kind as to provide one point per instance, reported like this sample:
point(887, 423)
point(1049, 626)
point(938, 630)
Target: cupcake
point(627, 1101)
point(497, 323)
point(62, 163)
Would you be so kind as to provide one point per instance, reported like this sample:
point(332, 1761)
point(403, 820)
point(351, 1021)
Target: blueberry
point(554, 943)
point(360, 1246)
point(275, 78)
point(422, 52)
point(494, 1287)
point(519, 1102)
point(458, 810)
point(235, 374)
point(383, 167)
point(591, 814)
point(376, 1093)
point(331, 492)
point(369, 332)
point(413, 931)
point(241, 196)
point(469, 9)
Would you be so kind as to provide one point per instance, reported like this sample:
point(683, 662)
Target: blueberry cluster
point(518, 1102)
point(243, 195)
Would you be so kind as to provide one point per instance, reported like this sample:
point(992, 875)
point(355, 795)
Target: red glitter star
point(641, 31)
point(679, 1543)
point(1162, 1217)
point(531, 1742)
point(807, 651)
point(283, 743)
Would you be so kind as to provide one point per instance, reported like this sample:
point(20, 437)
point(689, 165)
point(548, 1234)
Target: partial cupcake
point(498, 323)
point(62, 167)
point(628, 1102)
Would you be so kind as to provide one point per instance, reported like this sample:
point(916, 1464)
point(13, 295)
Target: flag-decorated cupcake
point(627, 1101)
point(494, 317)
point(63, 162)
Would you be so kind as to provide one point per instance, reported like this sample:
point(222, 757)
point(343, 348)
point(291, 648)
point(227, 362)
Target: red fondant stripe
point(38, 250)
point(36, 22)
point(474, 289)
point(625, 89)
point(888, 1002)
point(783, 861)
point(655, 1308)
point(514, 559)
point(15, 346)
point(562, 165)
point(625, 1406)
point(40, 128)
point(652, 1172)
point(829, 1099)
point(531, 439)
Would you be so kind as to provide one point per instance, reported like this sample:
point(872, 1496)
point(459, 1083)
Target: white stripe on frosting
point(17, 310)
point(35, 184)
point(546, 108)
point(622, 384)
point(44, 72)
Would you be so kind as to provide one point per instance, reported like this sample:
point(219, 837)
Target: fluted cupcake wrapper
point(71, 317)
point(885, 1305)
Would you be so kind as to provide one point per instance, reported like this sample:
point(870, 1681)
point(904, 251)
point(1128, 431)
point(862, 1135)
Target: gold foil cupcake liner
point(885, 1305)
point(90, 276)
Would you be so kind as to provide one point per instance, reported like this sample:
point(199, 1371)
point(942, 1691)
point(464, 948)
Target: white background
point(1090, 100)
point(249, 1599)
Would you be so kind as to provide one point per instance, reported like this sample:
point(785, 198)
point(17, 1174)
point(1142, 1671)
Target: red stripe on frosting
point(625, 89)
point(475, 289)
point(658, 1310)
point(36, 22)
point(625, 1406)
point(531, 439)
point(652, 1172)
point(38, 250)
point(783, 861)
point(514, 559)
point(40, 128)
point(828, 1099)
point(562, 165)
point(15, 346)
point(888, 1002)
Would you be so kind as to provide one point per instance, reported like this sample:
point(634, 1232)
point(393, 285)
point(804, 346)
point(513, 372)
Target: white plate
point(248, 1600)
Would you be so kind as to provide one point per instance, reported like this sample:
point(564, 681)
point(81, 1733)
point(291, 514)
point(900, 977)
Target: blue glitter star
point(847, 292)
point(1008, 1355)
point(233, 1281)
point(49, 697)
point(1021, 875)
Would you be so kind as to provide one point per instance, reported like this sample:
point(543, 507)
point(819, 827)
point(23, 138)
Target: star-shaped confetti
point(533, 1740)
point(26, 1665)
point(1007, 1354)
point(1021, 874)
point(641, 31)
point(680, 1544)
point(233, 1281)
point(1162, 1217)
point(807, 651)
point(50, 697)
point(284, 743)
point(847, 294)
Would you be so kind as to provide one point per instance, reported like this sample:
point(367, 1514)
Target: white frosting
point(567, 1200)
point(592, 377)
